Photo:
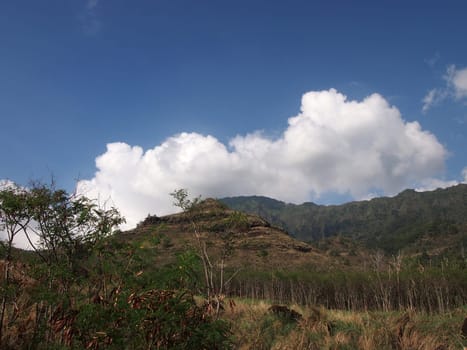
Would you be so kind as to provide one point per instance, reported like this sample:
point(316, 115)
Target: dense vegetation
point(390, 224)
point(82, 287)
point(200, 279)
point(418, 288)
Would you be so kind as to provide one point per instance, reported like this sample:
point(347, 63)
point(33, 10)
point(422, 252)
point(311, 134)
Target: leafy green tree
point(67, 227)
point(91, 289)
point(13, 217)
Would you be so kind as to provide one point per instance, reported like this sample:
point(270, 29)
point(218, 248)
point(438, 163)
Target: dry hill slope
point(250, 240)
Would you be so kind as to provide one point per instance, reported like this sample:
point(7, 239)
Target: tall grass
point(429, 289)
point(254, 327)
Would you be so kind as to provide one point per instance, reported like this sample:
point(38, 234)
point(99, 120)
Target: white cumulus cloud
point(433, 98)
point(457, 80)
point(456, 88)
point(464, 174)
point(334, 145)
point(431, 184)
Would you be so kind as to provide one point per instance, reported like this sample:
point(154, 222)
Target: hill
point(252, 242)
point(425, 220)
point(262, 261)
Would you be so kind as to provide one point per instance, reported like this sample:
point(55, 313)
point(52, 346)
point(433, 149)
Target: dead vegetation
point(256, 327)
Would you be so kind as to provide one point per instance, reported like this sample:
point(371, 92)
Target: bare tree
point(213, 273)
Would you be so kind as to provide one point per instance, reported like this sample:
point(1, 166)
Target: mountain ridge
point(389, 223)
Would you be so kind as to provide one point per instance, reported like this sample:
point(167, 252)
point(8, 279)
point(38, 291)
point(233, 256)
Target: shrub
point(162, 319)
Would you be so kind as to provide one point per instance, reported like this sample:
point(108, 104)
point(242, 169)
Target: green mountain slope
point(388, 223)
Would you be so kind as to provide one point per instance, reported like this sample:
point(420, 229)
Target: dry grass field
point(256, 327)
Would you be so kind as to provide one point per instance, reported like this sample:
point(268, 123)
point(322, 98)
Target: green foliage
point(182, 200)
point(334, 252)
point(235, 222)
point(238, 221)
point(13, 210)
point(386, 223)
point(91, 289)
point(166, 242)
point(185, 273)
point(348, 328)
point(263, 253)
point(270, 328)
point(161, 319)
point(136, 307)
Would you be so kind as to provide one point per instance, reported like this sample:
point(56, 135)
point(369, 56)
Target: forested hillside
point(387, 223)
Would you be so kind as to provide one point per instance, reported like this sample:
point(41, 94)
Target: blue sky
point(76, 76)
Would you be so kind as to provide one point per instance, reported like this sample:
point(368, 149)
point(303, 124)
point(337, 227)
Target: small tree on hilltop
point(214, 277)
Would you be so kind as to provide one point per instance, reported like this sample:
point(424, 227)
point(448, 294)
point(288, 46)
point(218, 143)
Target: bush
point(162, 319)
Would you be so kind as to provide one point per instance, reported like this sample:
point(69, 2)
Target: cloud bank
point(334, 145)
point(456, 88)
